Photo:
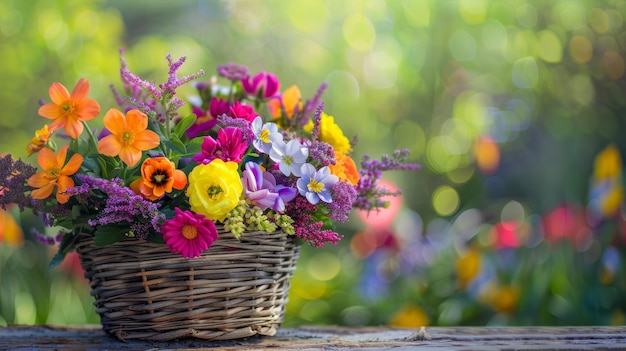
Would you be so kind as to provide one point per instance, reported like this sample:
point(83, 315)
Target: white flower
point(289, 156)
point(265, 135)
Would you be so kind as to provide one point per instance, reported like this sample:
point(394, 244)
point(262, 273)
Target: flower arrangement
point(152, 174)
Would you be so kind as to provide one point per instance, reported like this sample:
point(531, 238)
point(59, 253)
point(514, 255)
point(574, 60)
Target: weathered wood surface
point(91, 337)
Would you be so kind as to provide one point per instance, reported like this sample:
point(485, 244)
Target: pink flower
point(206, 120)
point(264, 85)
point(246, 112)
point(229, 146)
point(189, 234)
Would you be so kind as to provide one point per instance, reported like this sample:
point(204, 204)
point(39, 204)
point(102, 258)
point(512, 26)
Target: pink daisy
point(189, 234)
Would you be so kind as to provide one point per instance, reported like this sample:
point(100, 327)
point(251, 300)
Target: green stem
point(92, 138)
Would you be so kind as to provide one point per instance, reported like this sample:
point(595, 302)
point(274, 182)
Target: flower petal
point(115, 121)
point(81, 89)
point(50, 111)
point(136, 121)
point(72, 165)
point(146, 140)
point(58, 93)
point(110, 146)
point(130, 155)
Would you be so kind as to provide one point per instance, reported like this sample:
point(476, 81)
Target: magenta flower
point(264, 85)
point(238, 110)
point(206, 120)
point(188, 233)
point(261, 189)
point(229, 146)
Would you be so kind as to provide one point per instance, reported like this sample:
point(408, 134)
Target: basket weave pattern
point(236, 289)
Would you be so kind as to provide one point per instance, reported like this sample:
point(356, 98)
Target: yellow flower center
point(265, 136)
point(159, 178)
point(53, 173)
point(315, 186)
point(288, 160)
point(214, 190)
point(128, 138)
point(189, 232)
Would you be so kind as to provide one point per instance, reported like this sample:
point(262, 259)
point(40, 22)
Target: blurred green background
point(515, 109)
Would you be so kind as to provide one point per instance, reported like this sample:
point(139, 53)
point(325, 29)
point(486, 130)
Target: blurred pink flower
point(382, 220)
point(564, 222)
point(506, 234)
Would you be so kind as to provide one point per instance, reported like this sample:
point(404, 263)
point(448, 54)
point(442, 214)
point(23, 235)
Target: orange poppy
point(158, 176)
point(55, 174)
point(39, 140)
point(129, 136)
point(68, 110)
point(345, 168)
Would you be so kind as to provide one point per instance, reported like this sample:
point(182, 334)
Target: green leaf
point(91, 165)
point(67, 244)
point(155, 238)
point(175, 144)
point(182, 126)
point(110, 234)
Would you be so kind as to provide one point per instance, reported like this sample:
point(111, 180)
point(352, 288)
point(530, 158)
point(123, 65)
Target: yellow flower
point(409, 316)
point(331, 133)
point(467, 267)
point(214, 189)
point(606, 189)
point(41, 138)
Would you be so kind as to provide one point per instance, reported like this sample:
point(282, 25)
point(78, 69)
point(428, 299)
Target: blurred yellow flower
point(467, 267)
point(409, 316)
point(214, 189)
point(606, 192)
point(502, 298)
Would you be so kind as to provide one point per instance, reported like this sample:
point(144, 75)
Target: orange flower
point(68, 110)
point(345, 168)
point(129, 136)
point(158, 176)
point(291, 99)
point(54, 174)
point(39, 140)
point(10, 231)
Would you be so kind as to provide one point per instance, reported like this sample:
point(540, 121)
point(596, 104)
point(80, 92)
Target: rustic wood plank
point(91, 337)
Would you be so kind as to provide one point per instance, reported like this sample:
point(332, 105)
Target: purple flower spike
point(314, 185)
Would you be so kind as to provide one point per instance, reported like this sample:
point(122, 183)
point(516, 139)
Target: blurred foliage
point(515, 218)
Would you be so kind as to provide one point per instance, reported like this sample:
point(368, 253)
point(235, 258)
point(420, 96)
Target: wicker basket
point(236, 289)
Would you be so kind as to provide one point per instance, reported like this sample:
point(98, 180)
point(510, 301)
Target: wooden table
point(91, 337)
